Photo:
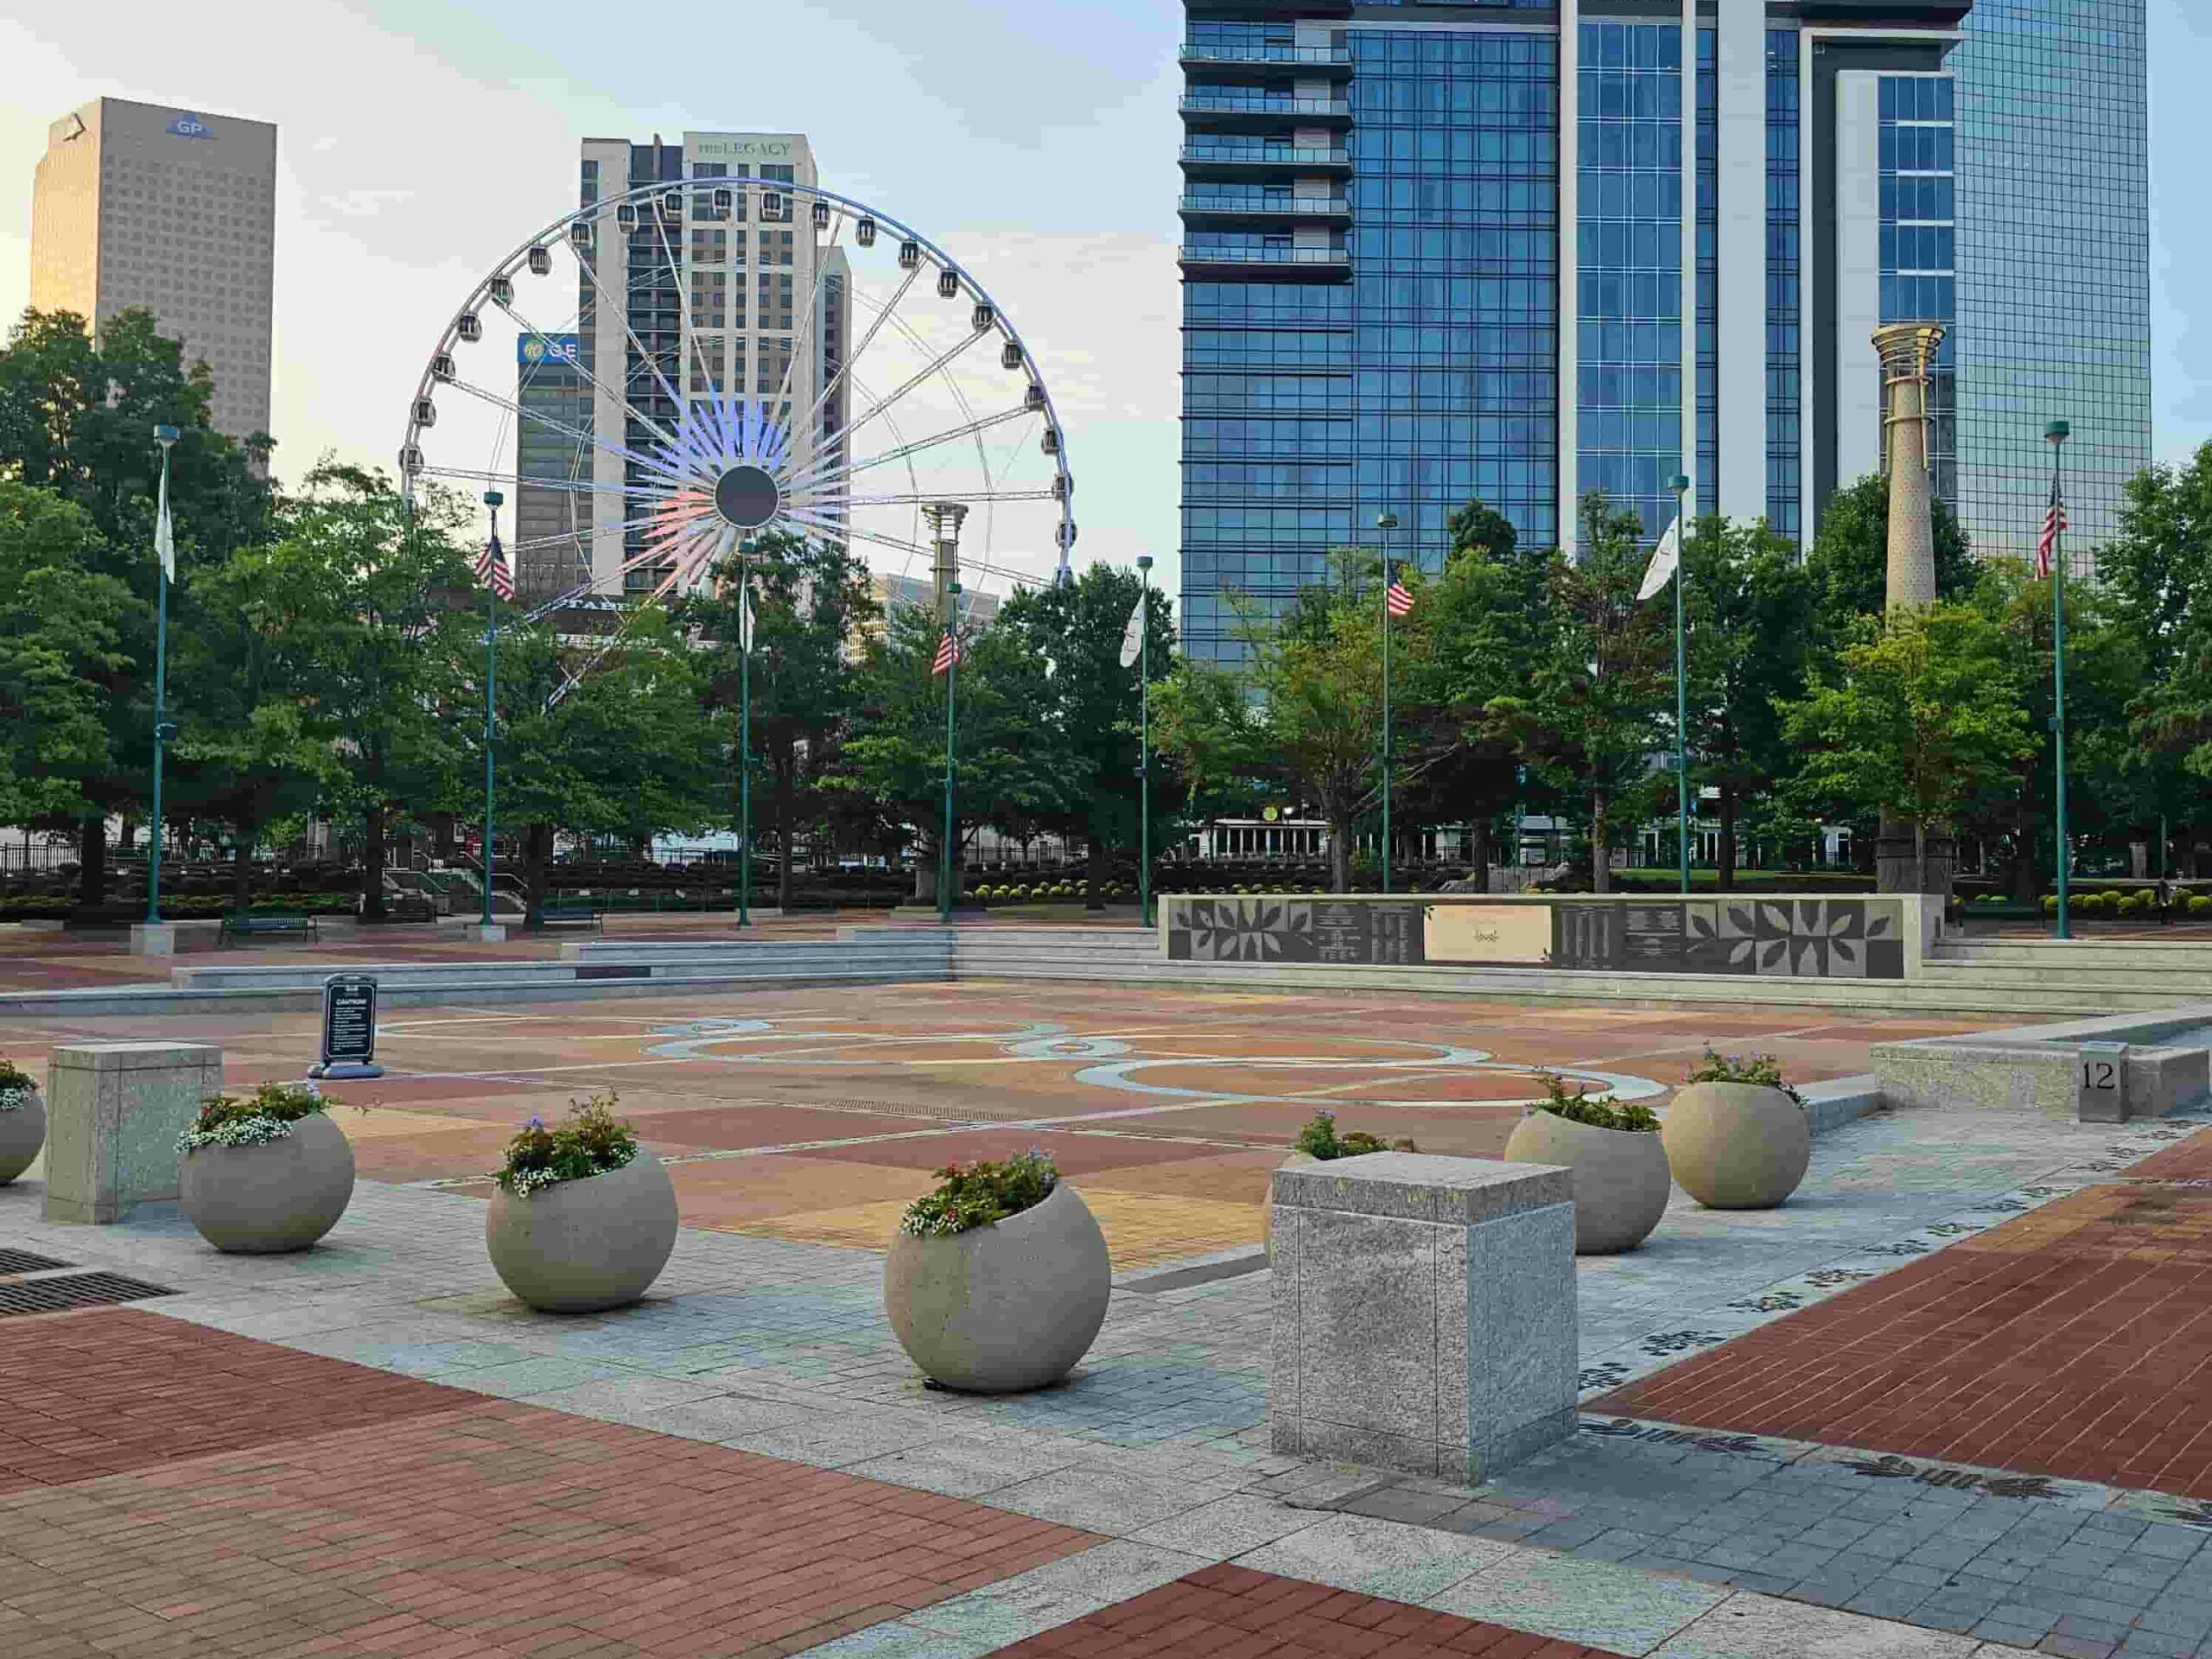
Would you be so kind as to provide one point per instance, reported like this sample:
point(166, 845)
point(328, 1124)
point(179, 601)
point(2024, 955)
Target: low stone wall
point(1882, 936)
point(2000, 1070)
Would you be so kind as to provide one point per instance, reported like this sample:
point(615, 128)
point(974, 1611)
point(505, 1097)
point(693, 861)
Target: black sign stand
point(349, 1028)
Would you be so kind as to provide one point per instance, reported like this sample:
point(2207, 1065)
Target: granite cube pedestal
point(114, 1111)
point(1424, 1312)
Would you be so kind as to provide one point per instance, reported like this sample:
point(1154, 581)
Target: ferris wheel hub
point(747, 498)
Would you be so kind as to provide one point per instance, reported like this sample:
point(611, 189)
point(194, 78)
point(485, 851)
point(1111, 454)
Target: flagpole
point(1681, 484)
point(1144, 738)
point(165, 566)
point(492, 498)
point(1385, 524)
point(951, 684)
point(2055, 434)
point(745, 735)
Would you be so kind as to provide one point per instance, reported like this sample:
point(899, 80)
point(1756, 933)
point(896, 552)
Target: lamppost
point(1384, 524)
point(2054, 535)
point(744, 735)
point(1144, 740)
point(164, 728)
point(1681, 484)
point(493, 499)
point(951, 749)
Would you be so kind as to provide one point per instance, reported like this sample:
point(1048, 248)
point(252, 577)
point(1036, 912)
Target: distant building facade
point(152, 206)
point(2054, 266)
point(720, 309)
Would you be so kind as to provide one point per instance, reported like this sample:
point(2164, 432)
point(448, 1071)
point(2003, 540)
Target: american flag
point(1400, 601)
point(2054, 521)
point(948, 651)
point(493, 571)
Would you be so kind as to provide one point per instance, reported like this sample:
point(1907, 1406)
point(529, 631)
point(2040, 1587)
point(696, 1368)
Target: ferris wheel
point(697, 364)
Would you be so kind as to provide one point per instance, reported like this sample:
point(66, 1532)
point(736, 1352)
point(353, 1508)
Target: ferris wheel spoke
point(683, 308)
point(620, 452)
point(951, 436)
point(621, 303)
point(805, 329)
point(845, 369)
point(571, 485)
point(583, 535)
point(597, 384)
point(811, 498)
point(920, 376)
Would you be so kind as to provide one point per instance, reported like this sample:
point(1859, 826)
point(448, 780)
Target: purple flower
point(536, 1123)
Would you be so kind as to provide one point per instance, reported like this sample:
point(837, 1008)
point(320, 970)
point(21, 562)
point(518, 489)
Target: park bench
point(571, 913)
point(237, 926)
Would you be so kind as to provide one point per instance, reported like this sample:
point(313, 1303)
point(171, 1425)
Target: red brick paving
point(2075, 1341)
point(1231, 1613)
point(196, 1493)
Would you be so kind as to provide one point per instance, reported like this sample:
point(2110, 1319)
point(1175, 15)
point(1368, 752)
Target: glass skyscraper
point(1510, 251)
point(2054, 265)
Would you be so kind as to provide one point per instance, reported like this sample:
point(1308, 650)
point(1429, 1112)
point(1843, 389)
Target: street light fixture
point(1144, 740)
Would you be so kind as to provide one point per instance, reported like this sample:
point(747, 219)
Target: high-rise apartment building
point(1516, 251)
point(141, 205)
point(713, 302)
point(2054, 265)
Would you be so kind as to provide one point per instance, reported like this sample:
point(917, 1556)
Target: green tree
point(1918, 716)
point(1012, 772)
point(811, 602)
point(1849, 563)
point(376, 603)
point(629, 749)
point(1079, 628)
point(2156, 576)
point(1748, 605)
point(76, 418)
point(1590, 716)
point(63, 625)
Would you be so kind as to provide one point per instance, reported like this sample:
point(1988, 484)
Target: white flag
point(745, 619)
point(1664, 558)
point(164, 545)
point(1133, 636)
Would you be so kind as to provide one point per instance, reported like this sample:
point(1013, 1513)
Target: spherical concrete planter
point(1621, 1184)
point(278, 1196)
point(579, 1246)
point(1002, 1309)
point(23, 1133)
point(1737, 1146)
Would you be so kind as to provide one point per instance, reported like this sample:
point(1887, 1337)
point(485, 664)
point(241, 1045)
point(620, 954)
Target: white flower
point(15, 1099)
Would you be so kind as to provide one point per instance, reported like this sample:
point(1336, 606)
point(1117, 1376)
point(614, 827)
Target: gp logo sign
point(190, 126)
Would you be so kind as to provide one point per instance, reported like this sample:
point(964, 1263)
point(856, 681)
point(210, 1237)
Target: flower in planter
point(981, 1194)
point(590, 1140)
point(1763, 1070)
point(254, 1120)
point(16, 1087)
point(1579, 1108)
point(1320, 1141)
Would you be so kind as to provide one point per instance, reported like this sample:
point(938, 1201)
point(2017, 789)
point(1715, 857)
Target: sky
point(420, 141)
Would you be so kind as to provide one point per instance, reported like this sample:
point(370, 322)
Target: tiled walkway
point(2075, 1341)
point(184, 1492)
point(1231, 1613)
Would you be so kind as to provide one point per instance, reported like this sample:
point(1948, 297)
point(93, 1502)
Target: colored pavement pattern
point(175, 1490)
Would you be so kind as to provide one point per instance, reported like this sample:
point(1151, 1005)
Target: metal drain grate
point(75, 1290)
point(26, 1261)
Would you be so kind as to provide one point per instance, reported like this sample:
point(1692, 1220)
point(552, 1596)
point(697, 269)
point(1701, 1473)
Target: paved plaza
point(1829, 1429)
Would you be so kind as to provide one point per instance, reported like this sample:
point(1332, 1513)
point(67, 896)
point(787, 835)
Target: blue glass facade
point(1629, 292)
point(1919, 244)
point(1380, 295)
point(2054, 265)
point(1424, 375)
